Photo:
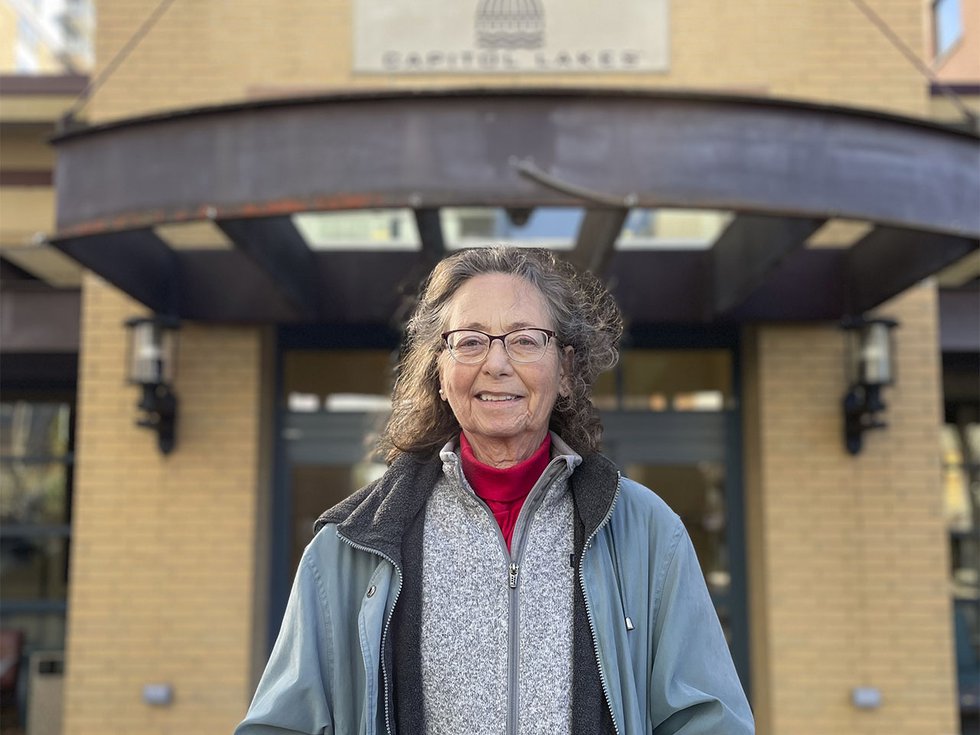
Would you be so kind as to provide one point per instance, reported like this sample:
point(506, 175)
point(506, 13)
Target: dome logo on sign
point(509, 24)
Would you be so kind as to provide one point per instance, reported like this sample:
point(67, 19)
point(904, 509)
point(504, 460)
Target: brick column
point(163, 580)
point(847, 555)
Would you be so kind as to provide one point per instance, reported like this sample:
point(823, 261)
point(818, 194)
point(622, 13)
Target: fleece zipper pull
point(512, 576)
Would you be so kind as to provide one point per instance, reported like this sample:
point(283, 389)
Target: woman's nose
point(497, 357)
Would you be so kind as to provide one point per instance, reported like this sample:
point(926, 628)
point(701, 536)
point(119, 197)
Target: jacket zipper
point(588, 607)
point(384, 631)
point(513, 571)
point(531, 503)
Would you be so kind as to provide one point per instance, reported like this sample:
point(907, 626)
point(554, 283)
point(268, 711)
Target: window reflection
point(341, 380)
point(543, 227)
point(674, 229)
point(667, 380)
point(961, 497)
point(372, 229)
point(33, 567)
point(558, 227)
point(958, 510)
point(42, 631)
point(35, 490)
point(34, 429)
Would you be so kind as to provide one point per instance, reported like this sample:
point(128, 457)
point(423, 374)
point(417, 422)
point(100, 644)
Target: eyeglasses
point(470, 346)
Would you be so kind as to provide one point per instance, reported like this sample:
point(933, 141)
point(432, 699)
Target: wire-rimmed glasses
point(470, 346)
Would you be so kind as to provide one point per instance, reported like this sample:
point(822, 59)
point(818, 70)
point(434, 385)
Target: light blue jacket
point(665, 670)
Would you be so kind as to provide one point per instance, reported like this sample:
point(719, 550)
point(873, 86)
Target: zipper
point(384, 631)
point(588, 607)
point(531, 503)
point(513, 649)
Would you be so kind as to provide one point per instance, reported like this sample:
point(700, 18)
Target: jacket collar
point(450, 454)
point(595, 486)
point(378, 515)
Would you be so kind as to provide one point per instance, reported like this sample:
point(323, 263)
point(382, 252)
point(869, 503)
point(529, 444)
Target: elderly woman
point(502, 576)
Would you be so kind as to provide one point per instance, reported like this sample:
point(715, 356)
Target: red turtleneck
point(504, 490)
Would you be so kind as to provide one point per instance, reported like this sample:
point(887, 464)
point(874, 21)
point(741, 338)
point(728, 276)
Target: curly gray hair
point(586, 318)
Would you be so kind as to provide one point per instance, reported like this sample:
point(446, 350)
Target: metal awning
point(782, 169)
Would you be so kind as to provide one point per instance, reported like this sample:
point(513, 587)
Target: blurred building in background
point(241, 199)
point(45, 37)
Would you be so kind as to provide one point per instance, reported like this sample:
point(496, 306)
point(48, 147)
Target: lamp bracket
point(159, 407)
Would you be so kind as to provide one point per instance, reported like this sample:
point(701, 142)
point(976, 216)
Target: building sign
point(510, 36)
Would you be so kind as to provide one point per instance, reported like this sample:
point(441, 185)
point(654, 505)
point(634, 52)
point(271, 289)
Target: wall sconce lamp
point(152, 358)
point(870, 351)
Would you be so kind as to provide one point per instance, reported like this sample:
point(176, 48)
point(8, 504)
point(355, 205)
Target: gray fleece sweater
point(496, 641)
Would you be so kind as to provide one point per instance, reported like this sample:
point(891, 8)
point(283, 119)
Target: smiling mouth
point(496, 398)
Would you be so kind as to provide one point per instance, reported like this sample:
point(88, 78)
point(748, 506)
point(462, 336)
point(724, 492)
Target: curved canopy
point(781, 169)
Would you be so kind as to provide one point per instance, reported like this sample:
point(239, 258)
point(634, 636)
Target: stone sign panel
point(510, 36)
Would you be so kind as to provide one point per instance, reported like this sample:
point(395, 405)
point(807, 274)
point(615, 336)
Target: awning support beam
point(136, 262)
point(596, 240)
point(747, 252)
point(277, 247)
point(889, 260)
point(429, 225)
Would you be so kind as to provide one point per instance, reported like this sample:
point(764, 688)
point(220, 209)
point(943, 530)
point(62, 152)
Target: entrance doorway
point(671, 423)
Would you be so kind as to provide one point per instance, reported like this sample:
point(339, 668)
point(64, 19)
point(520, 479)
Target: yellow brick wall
point(204, 53)
point(164, 548)
point(848, 555)
point(25, 210)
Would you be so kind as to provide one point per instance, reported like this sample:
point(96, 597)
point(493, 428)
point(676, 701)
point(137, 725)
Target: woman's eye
point(525, 339)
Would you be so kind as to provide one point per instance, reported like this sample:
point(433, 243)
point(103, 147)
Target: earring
point(441, 394)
